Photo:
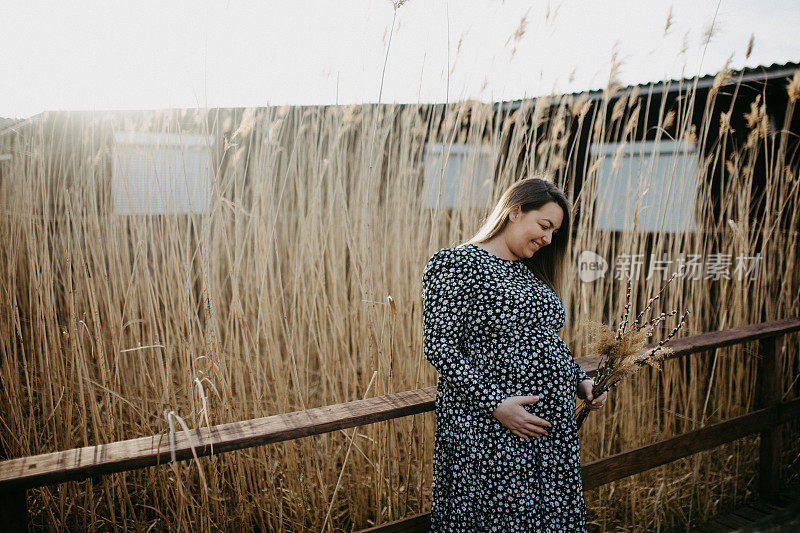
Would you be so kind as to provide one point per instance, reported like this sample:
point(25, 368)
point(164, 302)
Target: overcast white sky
point(143, 54)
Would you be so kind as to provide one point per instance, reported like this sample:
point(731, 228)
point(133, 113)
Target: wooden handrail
point(766, 421)
point(714, 339)
point(17, 475)
point(630, 462)
point(665, 451)
point(123, 456)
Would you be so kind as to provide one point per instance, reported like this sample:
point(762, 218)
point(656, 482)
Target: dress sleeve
point(447, 293)
point(580, 375)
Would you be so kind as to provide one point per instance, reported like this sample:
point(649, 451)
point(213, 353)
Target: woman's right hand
point(512, 415)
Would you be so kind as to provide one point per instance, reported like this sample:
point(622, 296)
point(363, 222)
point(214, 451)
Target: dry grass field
point(116, 327)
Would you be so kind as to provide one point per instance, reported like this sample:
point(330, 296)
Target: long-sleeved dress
point(490, 330)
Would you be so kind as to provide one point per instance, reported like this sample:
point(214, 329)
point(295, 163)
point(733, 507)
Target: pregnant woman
point(506, 454)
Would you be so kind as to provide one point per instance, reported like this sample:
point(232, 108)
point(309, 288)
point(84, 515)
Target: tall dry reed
point(276, 301)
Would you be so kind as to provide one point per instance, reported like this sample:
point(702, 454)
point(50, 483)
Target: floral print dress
point(490, 330)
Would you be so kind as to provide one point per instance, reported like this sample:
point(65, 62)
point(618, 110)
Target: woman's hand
point(585, 394)
point(512, 415)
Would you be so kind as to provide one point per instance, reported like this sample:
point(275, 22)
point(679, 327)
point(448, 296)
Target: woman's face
point(527, 233)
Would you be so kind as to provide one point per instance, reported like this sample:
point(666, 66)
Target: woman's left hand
point(585, 393)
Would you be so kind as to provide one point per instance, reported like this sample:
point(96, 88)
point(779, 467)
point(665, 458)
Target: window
point(662, 173)
point(457, 175)
point(160, 173)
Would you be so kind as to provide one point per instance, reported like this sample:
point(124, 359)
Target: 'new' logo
point(591, 266)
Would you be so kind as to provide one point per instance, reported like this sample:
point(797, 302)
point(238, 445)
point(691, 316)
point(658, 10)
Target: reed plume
point(622, 349)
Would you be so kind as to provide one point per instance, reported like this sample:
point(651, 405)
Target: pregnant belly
point(547, 373)
point(541, 363)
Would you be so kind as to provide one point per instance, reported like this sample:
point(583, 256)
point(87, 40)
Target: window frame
point(479, 193)
point(675, 214)
point(161, 153)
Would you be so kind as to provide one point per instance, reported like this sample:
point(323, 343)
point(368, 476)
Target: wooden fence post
point(14, 511)
point(771, 388)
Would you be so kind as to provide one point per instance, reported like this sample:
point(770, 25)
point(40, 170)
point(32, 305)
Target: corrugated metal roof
point(12, 125)
point(749, 74)
point(759, 73)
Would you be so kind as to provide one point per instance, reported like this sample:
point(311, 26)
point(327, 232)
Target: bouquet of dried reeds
point(622, 351)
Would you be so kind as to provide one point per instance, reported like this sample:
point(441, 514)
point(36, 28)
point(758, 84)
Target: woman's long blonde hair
point(532, 193)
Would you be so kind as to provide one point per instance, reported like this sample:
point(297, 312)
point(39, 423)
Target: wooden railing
point(19, 475)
